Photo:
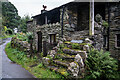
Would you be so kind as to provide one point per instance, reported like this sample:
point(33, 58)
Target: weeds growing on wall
point(25, 37)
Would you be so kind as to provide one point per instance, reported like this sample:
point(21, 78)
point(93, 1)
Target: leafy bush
point(29, 36)
point(100, 65)
point(105, 24)
point(22, 36)
point(25, 37)
point(5, 28)
point(9, 31)
point(40, 65)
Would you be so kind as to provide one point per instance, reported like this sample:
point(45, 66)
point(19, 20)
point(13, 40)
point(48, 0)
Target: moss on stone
point(65, 73)
point(67, 42)
point(76, 63)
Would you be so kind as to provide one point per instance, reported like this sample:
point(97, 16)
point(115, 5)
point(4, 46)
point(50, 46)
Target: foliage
point(9, 31)
point(41, 54)
point(3, 34)
point(7, 36)
point(39, 71)
point(40, 65)
point(75, 46)
point(23, 23)
point(100, 65)
point(5, 28)
point(105, 24)
point(10, 17)
point(25, 37)
point(29, 36)
point(61, 46)
point(22, 36)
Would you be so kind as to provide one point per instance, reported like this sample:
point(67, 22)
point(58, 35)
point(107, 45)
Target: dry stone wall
point(21, 45)
point(114, 29)
point(49, 28)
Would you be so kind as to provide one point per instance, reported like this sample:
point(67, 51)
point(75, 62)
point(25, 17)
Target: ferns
point(100, 65)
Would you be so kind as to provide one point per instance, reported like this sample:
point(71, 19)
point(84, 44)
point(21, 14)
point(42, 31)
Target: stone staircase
point(69, 60)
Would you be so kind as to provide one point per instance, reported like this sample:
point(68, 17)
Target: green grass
point(7, 36)
point(38, 71)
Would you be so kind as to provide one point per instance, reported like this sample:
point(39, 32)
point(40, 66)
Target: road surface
point(9, 69)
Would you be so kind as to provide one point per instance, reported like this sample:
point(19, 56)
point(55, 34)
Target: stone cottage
point(71, 21)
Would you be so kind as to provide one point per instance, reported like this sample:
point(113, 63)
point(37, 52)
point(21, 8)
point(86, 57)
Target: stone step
point(75, 45)
point(61, 63)
point(59, 70)
point(82, 53)
point(66, 57)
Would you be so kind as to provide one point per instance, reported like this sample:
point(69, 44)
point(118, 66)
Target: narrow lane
point(9, 69)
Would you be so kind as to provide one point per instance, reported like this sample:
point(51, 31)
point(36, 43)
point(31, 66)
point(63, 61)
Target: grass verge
point(39, 71)
point(7, 36)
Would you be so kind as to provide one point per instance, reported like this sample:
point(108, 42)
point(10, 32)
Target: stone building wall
point(69, 21)
point(114, 29)
point(49, 28)
point(30, 26)
point(21, 45)
point(69, 24)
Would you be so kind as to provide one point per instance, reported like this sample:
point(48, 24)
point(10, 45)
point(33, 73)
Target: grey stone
point(70, 29)
point(86, 48)
point(73, 69)
point(83, 54)
point(87, 40)
point(52, 53)
point(79, 60)
point(98, 18)
point(72, 25)
point(67, 25)
point(46, 61)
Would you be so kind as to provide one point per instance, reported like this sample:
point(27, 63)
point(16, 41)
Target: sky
point(34, 7)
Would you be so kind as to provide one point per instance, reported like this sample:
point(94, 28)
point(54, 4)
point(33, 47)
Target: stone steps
point(59, 70)
point(72, 45)
point(82, 53)
point(62, 63)
point(66, 57)
point(66, 60)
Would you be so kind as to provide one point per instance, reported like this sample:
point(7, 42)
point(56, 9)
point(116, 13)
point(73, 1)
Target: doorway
point(39, 41)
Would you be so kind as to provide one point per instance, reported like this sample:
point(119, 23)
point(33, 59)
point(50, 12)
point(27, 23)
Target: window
point(118, 40)
point(52, 38)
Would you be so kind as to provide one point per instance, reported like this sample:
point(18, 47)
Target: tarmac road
point(10, 69)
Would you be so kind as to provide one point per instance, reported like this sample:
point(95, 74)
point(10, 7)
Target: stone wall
point(114, 29)
point(69, 32)
point(49, 28)
point(46, 30)
point(30, 26)
point(21, 45)
point(69, 20)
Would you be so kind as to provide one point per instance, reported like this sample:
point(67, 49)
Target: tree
point(10, 15)
point(23, 23)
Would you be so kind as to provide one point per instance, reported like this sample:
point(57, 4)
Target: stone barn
point(71, 21)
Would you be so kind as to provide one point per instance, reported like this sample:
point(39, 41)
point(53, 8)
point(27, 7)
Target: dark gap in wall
point(100, 9)
point(83, 16)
